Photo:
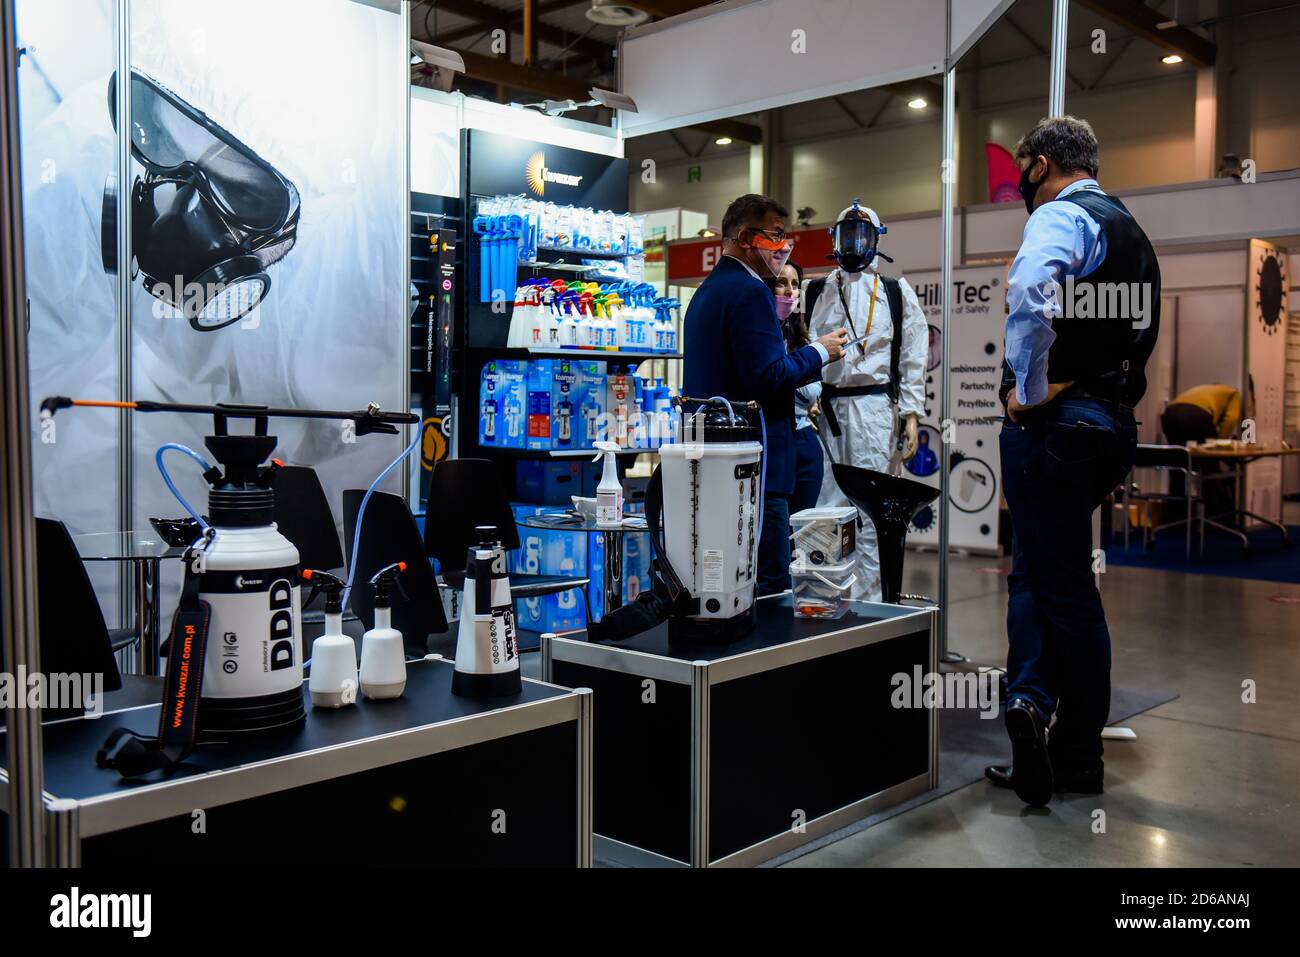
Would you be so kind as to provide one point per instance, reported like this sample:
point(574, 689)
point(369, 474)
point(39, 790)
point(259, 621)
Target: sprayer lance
point(372, 419)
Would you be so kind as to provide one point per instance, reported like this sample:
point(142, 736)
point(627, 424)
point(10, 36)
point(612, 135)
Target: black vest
point(1096, 345)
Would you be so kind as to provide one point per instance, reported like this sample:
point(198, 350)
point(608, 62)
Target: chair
point(1166, 458)
point(467, 493)
point(390, 535)
point(74, 638)
point(303, 515)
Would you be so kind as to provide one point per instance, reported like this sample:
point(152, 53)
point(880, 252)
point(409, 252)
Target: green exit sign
point(694, 174)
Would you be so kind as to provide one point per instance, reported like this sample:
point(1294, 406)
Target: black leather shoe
point(999, 775)
point(1031, 767)
point(1079, 782)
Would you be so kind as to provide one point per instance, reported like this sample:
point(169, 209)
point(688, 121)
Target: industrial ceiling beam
point(738, 130)
point(515, 23)
point(490, 17)
point(495, 69)
point(556, 86)
point(1145, 21)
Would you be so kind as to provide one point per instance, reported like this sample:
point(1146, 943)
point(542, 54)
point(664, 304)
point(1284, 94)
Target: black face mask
point(208, 216)
point(1028, 188)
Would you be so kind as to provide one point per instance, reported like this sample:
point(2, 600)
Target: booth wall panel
point(686, 70)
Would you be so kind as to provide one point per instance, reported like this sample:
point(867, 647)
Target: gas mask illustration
point(208, 217)
point(856, 237)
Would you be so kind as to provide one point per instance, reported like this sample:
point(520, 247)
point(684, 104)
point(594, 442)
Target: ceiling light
point(722, 141)
point(615, 13)
point(1171, 59)
point(917, 103)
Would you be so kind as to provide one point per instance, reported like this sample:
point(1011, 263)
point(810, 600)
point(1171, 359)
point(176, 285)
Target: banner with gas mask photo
point(268, 233)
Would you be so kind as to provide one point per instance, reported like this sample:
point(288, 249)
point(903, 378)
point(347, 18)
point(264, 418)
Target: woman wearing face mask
point(808, 462)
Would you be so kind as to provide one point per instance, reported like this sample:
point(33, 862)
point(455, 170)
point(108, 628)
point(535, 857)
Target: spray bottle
point(487, 648)
point(333, 681)
point(383, 657)
point(609, 493)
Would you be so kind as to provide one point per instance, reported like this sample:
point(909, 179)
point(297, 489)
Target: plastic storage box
point(824, 536)
point(822, 591)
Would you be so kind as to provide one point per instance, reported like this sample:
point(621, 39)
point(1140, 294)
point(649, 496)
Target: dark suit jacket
point(734, 348)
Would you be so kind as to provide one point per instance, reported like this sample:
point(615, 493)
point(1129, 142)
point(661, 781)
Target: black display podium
point(428, 779)
point(730, 755)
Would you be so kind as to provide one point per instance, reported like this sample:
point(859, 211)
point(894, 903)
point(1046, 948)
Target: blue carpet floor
point(1266, 559)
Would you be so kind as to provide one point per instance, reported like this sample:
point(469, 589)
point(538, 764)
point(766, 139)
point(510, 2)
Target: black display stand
point(428, 779)
point(730, 755)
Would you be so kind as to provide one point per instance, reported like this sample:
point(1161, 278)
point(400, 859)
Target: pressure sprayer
point(234, 663)
point(713, 481)
point(487, 644)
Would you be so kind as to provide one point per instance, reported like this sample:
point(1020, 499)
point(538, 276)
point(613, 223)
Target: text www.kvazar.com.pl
point(1203, 924)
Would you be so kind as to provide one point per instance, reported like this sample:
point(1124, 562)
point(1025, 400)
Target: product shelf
point(559, 453)
point(589, 355)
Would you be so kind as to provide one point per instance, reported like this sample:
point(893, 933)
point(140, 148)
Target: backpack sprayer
point(240, 590)
point(704, 511)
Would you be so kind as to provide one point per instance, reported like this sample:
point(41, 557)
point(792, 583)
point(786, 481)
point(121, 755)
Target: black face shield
point(208, 217)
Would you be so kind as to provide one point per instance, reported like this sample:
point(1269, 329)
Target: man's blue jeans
point(1059, 462)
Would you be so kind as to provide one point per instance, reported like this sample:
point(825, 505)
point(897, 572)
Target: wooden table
point(1237, 457)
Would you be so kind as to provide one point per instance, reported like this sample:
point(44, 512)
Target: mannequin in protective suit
point(873, 398)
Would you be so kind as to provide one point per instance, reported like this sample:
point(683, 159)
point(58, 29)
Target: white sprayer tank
point(712, 496)
point(252, 675)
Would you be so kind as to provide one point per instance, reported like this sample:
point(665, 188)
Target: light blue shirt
point(1060, 240)
point(804, 397)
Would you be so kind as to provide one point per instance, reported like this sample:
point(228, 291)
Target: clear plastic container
point(824, 536)
point(822, 591)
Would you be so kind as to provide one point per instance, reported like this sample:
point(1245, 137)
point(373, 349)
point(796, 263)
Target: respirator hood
point(855, 237)
point(208, 216)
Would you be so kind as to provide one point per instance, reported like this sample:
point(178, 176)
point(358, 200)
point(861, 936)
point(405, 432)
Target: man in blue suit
point(734, 348)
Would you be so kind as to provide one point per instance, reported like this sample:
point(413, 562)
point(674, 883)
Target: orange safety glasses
point(763, 240)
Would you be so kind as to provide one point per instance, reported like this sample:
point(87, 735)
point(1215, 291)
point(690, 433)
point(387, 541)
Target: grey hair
point(1067, 141)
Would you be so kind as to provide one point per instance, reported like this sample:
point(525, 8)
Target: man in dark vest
point(1083, 300)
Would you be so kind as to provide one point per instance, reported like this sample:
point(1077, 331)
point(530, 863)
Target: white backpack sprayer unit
point(711, 503)
point(234, 664)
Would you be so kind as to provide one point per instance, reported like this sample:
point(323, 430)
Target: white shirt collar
point(745, 264)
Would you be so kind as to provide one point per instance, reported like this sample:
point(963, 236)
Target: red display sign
point(691, 260)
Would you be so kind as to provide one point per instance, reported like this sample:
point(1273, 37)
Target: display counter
point(427, 779)
point(728, 755)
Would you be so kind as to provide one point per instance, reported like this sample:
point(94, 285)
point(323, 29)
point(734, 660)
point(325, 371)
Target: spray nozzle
point(604, 448)
point(327, 583)
point(487, 535)
point(384, 580)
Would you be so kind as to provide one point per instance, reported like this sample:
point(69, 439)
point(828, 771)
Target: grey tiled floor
point(1210, 781)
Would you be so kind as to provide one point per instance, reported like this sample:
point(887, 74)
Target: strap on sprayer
point(132, 754)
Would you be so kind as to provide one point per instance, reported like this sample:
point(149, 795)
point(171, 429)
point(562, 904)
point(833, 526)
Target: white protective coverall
point(869, 424)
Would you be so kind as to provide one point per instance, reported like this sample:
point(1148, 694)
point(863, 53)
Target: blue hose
point(167, 479)
point(361, 512)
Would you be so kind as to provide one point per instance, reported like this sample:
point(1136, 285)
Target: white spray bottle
point(383, 656)
point(333, 682)
point(609, 493)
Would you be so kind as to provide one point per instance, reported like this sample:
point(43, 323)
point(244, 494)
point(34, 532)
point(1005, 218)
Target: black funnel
point(891, 502)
